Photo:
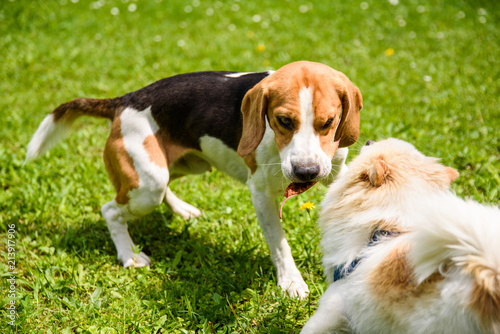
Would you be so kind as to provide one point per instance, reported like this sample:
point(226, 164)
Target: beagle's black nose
point(306, 172)
point(370, 142)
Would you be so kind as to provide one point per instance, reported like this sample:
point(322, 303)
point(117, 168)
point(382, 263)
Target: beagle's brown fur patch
point(156, 152)
point(119, 164)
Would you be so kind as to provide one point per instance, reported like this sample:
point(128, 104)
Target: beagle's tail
point(454, 236)
point(56, 126)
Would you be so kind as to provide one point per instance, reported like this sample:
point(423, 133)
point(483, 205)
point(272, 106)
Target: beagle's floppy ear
point(352, 102)
point(254, 109)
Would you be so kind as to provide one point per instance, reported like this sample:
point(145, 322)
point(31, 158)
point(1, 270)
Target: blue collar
point(345, 269)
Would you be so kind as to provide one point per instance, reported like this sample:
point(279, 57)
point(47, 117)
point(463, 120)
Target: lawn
point(428, 73)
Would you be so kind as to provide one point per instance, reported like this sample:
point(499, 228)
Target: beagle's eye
point(328, 123)
point(285, 122)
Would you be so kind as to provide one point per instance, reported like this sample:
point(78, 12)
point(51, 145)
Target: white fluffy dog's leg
point(329, 318)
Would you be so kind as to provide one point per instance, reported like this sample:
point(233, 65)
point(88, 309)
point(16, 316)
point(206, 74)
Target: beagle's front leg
point(267, 210)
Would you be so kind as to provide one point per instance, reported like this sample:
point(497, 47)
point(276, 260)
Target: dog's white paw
point(136, 260)
point(296, 287)
point(186, 211)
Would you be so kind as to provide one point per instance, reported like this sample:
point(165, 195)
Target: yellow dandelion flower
point(307, 206)
point(389, 52)
point(261, 47)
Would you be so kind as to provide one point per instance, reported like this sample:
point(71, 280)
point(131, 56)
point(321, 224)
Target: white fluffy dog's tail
point(451, 232)
point(56, 126)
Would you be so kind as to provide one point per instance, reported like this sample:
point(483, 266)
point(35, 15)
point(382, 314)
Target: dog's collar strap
point(345, 269)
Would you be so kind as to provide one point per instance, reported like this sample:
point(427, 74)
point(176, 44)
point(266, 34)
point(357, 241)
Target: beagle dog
point(301, 117)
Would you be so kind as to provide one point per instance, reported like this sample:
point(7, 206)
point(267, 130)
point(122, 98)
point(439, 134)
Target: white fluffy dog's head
point(377, 191)
point(392, 167)
point(386, 171)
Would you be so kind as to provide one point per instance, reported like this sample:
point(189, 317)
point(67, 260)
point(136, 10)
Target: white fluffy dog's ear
point(378, 172)
point(452, 173)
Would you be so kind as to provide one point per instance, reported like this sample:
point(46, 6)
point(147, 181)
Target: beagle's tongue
point(295, 189)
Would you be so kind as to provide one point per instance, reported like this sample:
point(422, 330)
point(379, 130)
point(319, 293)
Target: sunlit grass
point(429, 74)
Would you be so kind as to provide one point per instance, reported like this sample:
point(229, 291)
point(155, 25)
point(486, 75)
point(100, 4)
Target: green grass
point(429, 74)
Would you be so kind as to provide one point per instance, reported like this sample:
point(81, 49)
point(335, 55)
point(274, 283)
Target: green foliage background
point(428, 72)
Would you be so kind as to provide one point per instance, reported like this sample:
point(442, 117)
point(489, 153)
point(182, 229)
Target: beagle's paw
point(295, 287)
point(136, 260)
point(185, 210)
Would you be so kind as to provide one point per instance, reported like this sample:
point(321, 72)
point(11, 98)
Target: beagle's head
point(312, 109)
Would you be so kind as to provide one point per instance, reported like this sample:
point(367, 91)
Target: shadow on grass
point(196, 278)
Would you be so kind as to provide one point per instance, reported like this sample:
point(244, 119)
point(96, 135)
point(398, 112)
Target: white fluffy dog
point(405, 254)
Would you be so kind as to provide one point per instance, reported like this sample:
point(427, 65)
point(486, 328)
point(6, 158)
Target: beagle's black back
point(189, 106)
